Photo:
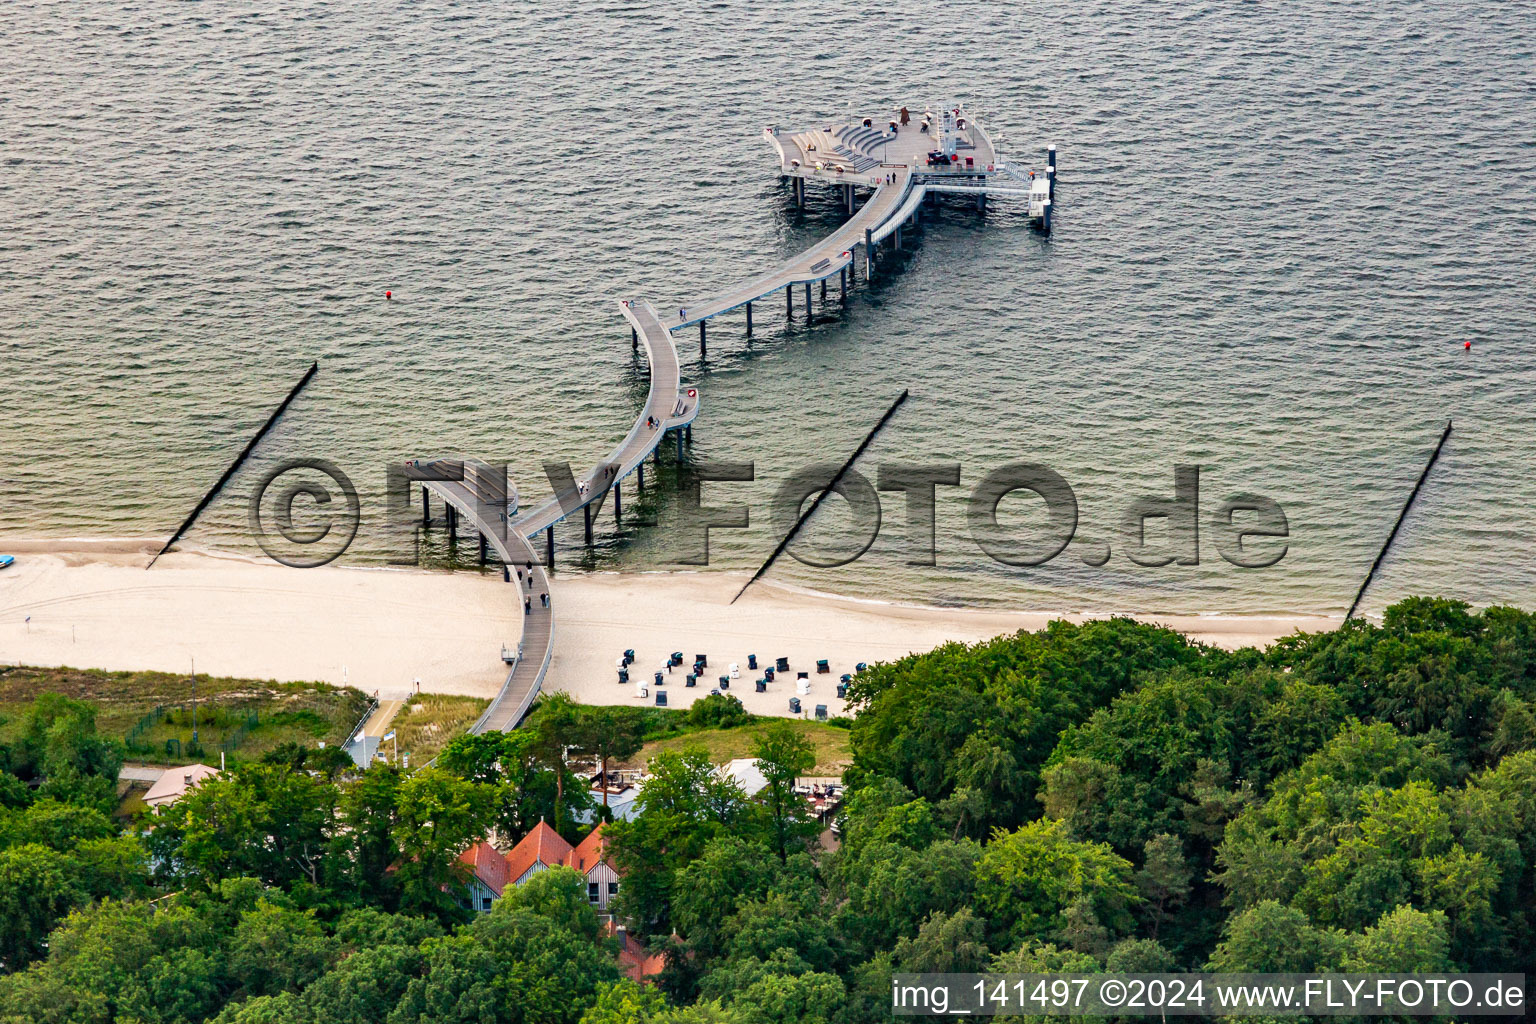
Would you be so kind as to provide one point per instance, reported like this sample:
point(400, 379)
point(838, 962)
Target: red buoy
point(389, 295)
point(1467, 345)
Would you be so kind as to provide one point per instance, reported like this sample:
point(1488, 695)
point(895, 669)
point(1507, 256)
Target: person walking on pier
point(527, 606)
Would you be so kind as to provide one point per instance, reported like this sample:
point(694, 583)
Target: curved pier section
point(825, 259)
point(907, 211)
point(485, 498)
point(478, 491)
point(902, 160)
point(667, 407)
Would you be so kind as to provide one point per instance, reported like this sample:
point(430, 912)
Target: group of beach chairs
point(733, 672)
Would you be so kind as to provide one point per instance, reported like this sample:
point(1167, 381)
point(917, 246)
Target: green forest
point(1096, 797)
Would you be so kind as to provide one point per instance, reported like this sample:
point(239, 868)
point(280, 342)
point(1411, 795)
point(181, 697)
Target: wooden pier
point(900, 165)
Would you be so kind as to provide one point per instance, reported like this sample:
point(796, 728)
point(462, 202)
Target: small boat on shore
point(6, 561)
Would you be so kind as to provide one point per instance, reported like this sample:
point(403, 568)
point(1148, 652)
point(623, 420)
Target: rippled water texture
point(1277, 226)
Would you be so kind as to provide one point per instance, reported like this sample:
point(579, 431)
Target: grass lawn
point(303, 712)
point(833, 751)
point(429, 720)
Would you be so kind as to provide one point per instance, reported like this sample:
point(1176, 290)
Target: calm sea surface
point(1277, 226)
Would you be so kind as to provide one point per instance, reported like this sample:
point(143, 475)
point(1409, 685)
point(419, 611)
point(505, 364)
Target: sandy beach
point(599, 616)
point(93, 605)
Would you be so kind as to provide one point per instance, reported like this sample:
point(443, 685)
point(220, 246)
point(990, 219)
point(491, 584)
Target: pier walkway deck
point(823, 260)
point(901, 164)
point(481, 498)
point(667, 407)
point(531, 660)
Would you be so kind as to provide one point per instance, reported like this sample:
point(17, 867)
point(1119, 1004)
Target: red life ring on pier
point(693, 393)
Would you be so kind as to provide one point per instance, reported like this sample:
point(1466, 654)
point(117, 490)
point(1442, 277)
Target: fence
point(237, 737)
point(134, 738)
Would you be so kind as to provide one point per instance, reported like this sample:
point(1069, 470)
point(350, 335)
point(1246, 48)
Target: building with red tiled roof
point(492, 871)
point(634, 961)
point(540, 849)
point(488, 875)
point(590, 858)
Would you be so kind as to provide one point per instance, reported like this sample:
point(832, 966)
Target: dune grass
point(833, 750)
point(425, 724)
point(307, 713)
